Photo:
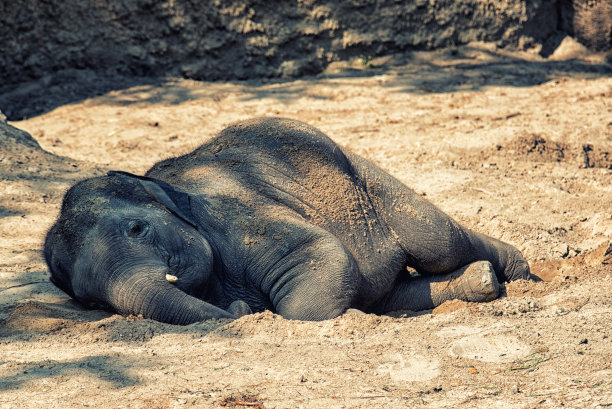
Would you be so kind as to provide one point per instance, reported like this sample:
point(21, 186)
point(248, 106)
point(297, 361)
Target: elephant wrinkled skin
point(270, 214)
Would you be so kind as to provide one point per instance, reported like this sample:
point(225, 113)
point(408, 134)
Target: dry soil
point(515, 146)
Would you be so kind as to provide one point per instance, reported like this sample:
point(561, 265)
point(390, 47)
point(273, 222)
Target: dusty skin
point(511, 145)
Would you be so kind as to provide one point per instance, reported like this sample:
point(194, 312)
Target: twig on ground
point(245, 401)
point(531, 362)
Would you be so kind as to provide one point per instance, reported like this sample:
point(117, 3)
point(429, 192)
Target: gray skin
point(270, 214)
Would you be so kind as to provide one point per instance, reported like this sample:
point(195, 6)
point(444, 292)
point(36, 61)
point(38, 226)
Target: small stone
point(569, 48)
point(560, 250)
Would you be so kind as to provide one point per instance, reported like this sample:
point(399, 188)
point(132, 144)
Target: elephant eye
point(137, 228)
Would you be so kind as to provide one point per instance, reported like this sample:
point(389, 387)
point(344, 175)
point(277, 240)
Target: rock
point(589, 21)
point(560, 250)
point(568, 49)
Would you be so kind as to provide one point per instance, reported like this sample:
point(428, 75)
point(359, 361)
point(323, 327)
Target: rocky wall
point(79, 48)
point(230, 39)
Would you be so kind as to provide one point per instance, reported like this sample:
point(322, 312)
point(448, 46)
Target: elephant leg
point(433, 242)
point(320, 283)
point(475, 282)
point(437, 244)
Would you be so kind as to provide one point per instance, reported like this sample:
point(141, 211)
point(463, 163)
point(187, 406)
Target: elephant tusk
point(171, 278)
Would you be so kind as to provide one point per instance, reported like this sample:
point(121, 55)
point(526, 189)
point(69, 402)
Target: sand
point(512, 145)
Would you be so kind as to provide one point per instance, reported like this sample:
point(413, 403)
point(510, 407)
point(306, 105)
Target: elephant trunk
point(149, 294)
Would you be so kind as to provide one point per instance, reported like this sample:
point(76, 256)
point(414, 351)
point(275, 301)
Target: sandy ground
point(511, 145)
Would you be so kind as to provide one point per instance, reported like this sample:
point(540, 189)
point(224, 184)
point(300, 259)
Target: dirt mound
point(35, 317)
point(22, 157)
point(16, 139)
point(32, 318)
point(538, 149)
point(534, 148)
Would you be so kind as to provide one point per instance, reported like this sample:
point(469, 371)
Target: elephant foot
point(517, 268)
point(475, 282)
point(239, 308)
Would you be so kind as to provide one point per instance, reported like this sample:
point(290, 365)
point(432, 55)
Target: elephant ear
point(56, 255)
point(177, 202)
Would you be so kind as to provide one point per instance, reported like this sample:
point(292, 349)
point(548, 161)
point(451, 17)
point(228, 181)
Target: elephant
point(270, 214)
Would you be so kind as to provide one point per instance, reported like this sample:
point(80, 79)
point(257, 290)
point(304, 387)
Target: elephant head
point(130, 244)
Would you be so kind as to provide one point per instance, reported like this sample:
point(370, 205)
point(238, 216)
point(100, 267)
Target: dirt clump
point(538, 149)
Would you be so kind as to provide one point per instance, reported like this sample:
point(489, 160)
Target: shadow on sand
point(465, 68)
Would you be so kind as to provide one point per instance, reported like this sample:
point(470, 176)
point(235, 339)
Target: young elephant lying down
point(273, 214)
